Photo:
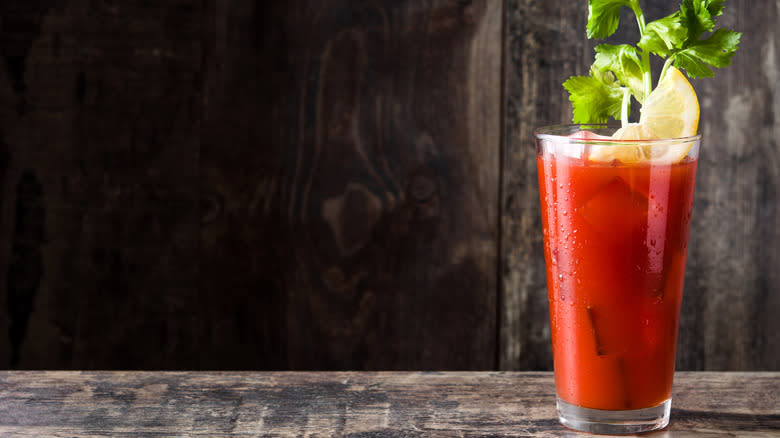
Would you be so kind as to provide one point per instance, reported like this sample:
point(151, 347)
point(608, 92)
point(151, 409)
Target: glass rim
point(548, 133)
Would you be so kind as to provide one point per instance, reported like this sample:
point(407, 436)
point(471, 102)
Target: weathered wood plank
point(728, 318)
point(729, 315)
point(349, 404)
point(314, 184)
point(539, 53)
point(99, 224)
point(351, 151)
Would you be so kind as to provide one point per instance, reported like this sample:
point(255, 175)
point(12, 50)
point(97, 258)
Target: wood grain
point(335, 185)
point(537, 53)
point(99, 193)
point(729, 311)
point(727, 320)
point(352, 151)
point(384, 404)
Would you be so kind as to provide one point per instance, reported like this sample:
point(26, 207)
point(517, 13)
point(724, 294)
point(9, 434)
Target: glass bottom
point(614, 422)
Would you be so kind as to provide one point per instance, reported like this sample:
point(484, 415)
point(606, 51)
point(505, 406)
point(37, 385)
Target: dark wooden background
point(334, 184)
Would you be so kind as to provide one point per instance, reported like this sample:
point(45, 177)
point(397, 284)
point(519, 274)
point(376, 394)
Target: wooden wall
point(338, 184)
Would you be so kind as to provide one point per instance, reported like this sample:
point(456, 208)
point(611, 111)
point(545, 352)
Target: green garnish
point(622, 71)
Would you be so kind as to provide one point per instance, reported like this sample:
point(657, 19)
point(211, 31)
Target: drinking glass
point(616, 218)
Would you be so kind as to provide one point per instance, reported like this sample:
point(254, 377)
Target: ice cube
point(588, 135)
point(573, 149)
point(616, 211)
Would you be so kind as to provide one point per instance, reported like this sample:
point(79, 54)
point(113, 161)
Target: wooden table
point(358, 404)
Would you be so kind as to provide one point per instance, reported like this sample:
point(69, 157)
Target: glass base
point(614, 422)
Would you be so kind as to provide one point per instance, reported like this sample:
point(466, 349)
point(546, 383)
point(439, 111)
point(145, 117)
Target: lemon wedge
point(635, 131)
point(670, 111)
point(625, 153)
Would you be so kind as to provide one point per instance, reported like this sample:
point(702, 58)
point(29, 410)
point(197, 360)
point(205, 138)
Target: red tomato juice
point(616, 239)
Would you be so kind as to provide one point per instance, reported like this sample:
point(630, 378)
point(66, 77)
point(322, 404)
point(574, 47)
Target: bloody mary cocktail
point(615, 244)
point(616, 210)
